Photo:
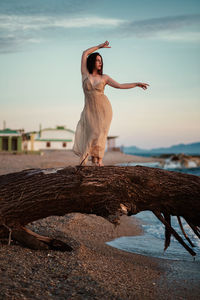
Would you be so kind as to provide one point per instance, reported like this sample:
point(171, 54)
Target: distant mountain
point(134, 149)
point(191, 149)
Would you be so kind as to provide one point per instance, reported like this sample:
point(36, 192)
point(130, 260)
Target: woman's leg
point(94, 160)
point(97, 161)
point(100, 162)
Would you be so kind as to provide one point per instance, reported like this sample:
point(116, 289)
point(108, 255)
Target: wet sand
point(93, 270)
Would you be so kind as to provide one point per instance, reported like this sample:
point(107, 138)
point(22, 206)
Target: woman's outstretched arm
point(117, 85)
point(89, 51)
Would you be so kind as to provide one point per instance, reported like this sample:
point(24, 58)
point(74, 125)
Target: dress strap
point(84, 76)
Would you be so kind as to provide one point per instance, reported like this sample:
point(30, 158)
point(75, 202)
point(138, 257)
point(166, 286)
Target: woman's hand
point(104, 45)
point(142, 85)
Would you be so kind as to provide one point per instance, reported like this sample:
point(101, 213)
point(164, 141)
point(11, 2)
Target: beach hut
point(10, 140)
point(59, 138)
point(111, 146)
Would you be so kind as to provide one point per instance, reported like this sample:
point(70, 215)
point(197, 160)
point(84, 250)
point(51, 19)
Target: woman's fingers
point(106, 44)
point(143, 85)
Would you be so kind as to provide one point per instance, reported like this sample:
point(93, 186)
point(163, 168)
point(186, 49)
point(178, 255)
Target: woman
point(92, 129)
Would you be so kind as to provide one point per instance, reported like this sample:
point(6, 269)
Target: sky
point(155, 42)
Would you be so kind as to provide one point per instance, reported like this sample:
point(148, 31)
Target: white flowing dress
point(93, 126)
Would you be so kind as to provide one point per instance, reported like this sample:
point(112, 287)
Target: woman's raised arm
point(117, 85)
point(89, 51)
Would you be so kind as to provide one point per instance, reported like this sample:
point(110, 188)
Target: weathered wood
point(175, 234)
point(38, 242)
point(183, 231)
point(167, 230)
point(106, 191)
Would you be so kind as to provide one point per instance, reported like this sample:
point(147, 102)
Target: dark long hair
point(91, 63)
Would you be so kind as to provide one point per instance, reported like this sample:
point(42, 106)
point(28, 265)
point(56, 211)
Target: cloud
point(27, 23)
point(24, 22)
point(10, 44)
point(188, 36)
point(87, 22)
point(44, 7)
point(17, 31)
point(168, 28)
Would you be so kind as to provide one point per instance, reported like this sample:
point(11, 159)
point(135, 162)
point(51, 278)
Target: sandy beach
point(52, 159)
point(93, 270)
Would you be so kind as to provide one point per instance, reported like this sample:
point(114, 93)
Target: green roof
point(53, 140)
point(59, 128)
point(9, 131)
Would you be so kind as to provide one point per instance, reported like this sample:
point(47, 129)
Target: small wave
point(192, 164)
point(144, 164)
point(171, 164)
point(152, 242)
point(192, 169)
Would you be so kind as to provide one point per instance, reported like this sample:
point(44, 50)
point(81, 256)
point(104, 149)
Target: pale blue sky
point(157, 42)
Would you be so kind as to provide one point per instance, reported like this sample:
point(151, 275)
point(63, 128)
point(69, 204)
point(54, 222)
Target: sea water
point(152, 242)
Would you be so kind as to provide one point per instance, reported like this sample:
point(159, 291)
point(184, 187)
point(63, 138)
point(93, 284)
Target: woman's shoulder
point(105, 77)
point(84, 75)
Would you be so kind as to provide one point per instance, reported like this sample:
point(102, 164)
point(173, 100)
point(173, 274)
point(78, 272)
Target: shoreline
point(10, 163)
point(93, 270)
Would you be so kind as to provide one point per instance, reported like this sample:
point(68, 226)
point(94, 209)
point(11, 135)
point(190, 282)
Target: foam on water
point(144, 164)
point(152, 242)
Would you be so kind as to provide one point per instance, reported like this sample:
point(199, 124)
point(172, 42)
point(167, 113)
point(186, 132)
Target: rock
point(181, 160)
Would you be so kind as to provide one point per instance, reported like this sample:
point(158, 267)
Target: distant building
point(59, 138)
point(11, 140)
point(111, 146)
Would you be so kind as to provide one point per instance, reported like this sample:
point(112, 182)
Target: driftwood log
point(108, 191)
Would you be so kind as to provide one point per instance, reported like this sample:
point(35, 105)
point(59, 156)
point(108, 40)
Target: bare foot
point(100, 163)
point(94, 161)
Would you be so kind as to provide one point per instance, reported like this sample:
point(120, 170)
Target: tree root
point(34, 241)
point(175, 234)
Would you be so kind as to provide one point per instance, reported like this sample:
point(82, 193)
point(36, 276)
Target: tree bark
point(108, 191)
